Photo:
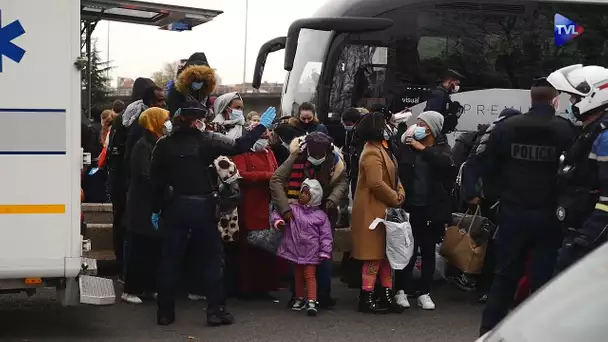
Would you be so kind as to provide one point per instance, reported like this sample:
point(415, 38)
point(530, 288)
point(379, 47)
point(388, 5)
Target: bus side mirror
point(269, 47)
point(340, 24)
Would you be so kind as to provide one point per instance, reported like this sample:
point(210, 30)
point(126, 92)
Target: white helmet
point(582, 82)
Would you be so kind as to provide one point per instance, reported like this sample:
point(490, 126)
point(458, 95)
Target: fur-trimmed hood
point(339, 167)
point(200, 73)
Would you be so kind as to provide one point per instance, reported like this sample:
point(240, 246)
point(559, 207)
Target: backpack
point(117, 145)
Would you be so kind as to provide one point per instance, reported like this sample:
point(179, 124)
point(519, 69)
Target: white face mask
point(315, 161)
point(200, 125)
point(167, 127)
point(456, 89)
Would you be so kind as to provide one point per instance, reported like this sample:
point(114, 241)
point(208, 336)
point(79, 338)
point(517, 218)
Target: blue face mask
point(420, 133)
point(236, 114)
point(260, 145)
point(570, 114)
point(197, 86)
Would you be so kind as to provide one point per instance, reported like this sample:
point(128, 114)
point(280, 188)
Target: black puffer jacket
point(442, 177)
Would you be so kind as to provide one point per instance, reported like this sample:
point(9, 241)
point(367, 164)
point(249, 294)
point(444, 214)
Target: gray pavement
point(40, 318)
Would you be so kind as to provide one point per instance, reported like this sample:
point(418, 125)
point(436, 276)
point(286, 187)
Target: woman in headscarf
point(229, 114)
point(144, 241)
point(257, 269)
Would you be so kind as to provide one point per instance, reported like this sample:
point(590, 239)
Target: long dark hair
point(371, 127)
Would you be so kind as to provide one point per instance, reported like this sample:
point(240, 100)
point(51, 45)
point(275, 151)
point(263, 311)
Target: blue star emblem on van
point(7, 34)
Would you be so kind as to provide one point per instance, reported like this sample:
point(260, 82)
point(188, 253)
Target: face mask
point(236, 114)
point(197, 85)
point(200, 125)
point(349, 128)
point(420, 133)
point(455, 89)
point(260, 145)
point(315, 161)
point(167, 127)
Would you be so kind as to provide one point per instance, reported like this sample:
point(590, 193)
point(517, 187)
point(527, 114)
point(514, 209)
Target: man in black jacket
point(440, 101)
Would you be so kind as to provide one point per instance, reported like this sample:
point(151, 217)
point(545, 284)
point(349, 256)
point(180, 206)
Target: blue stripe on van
point(32, 110)
point(32, 153)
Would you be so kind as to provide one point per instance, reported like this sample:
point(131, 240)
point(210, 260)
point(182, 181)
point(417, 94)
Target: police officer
point(440, 101)
point(524, 151)
point(182, 161)
point(583, 206)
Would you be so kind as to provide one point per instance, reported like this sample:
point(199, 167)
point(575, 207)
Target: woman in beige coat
point(378, 188)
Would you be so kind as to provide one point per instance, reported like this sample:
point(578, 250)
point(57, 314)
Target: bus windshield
point(302, 81)
point(496, 47)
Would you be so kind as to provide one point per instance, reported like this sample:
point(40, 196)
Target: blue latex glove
point(155, 219)
point(93, 171)
point(268, 117)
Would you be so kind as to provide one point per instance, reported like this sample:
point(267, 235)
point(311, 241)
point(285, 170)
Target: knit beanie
point(434, 120)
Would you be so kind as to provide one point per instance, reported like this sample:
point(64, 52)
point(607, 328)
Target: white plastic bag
point(399, 242)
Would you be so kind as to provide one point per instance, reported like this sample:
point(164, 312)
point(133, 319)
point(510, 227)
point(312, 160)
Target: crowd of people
point(193, 181)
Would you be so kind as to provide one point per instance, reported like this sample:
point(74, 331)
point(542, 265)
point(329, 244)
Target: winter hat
point(317, 143)
point(197, 58)
point(508, 112)
point(316, 191)
point(434, 120)
point(192, 108)
point(286, 132)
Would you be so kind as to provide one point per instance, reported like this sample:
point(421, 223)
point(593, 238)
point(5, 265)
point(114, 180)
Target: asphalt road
point(40, 318)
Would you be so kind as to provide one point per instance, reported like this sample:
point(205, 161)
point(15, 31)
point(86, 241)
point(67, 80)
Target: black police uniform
point(183, 162)
point(583, 205)
point(440, 101)
point(524, 151)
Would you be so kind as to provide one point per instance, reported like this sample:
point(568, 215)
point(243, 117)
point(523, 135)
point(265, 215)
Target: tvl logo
point(565, 30)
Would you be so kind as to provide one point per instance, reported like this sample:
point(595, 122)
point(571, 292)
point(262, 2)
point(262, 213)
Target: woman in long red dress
point(259, 272)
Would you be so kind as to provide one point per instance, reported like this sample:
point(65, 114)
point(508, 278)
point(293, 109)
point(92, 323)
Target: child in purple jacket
point(307, 240)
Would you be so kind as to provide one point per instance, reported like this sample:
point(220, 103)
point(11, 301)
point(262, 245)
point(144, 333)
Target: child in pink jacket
point(307, 240)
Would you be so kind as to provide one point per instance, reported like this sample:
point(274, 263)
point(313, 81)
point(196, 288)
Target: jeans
point(521, 232)
point(194, 217)
point(425, 237)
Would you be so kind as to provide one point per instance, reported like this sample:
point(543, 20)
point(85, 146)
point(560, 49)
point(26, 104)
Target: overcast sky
point(138, 50)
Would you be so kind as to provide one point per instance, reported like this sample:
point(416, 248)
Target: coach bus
point(360, 52)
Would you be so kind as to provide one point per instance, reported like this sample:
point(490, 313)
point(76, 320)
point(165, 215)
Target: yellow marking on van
point(33, 281)
point(8, 209)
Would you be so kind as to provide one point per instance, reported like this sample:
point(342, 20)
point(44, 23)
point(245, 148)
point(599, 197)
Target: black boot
point(219, 316)
point(343, 220)
point(368, 304)
point(165, 318)
point(387, 301)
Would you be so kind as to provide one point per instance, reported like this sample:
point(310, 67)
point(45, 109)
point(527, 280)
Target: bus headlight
point(561, 214)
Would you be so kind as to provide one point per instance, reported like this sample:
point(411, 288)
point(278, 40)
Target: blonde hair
point(362, 110)
point(107, 117)
point(153, 119)
point(252, 114)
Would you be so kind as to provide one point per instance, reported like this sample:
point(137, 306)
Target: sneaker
point(130, 298)
point(299, 304)
point(311, 309)
point(462, 282)
point(401, 299)
point(219, 316)
point(426, 302)
point(195, 298)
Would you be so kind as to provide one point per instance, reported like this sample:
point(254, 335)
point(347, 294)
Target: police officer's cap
point(192, 109)
point(451, 73)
